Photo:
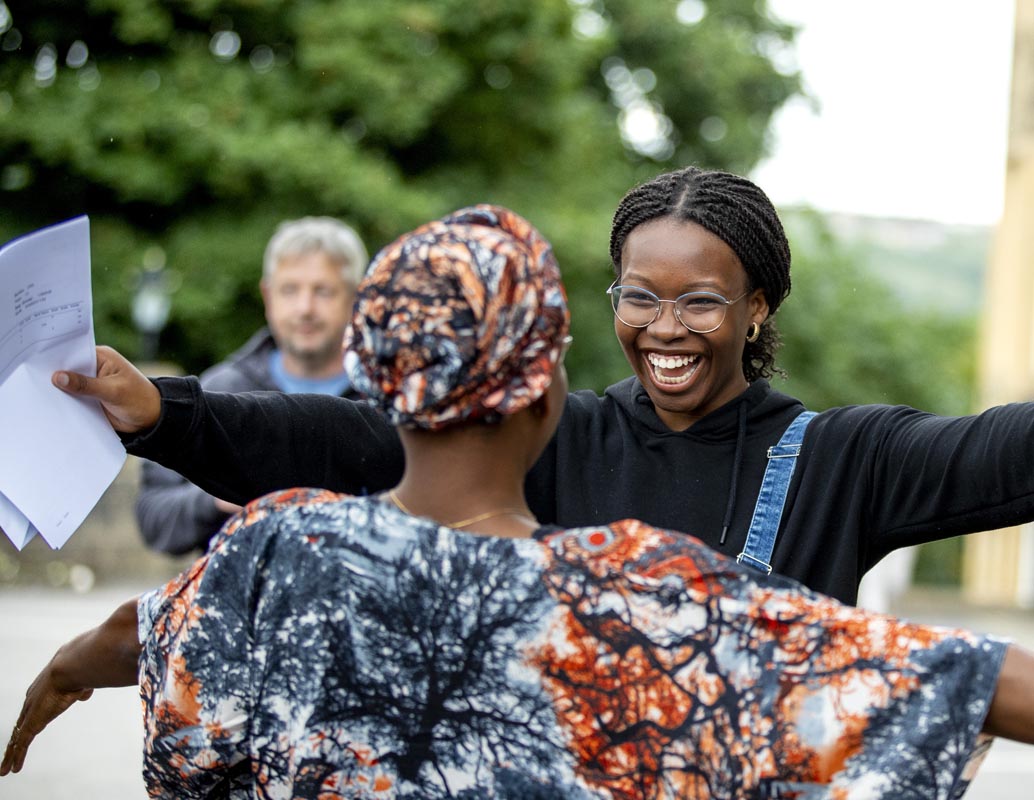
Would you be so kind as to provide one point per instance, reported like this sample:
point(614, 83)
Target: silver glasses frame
point(675, 304)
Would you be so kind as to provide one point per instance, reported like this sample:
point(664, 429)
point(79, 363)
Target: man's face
point(308, 308)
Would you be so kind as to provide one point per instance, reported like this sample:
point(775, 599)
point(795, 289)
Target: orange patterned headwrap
point(460, 319)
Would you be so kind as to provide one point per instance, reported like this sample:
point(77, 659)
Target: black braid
point(741, 215)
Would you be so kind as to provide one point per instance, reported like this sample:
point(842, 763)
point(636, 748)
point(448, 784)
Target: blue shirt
point(292, 384)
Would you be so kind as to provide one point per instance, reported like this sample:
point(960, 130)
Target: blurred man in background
point(310, 271)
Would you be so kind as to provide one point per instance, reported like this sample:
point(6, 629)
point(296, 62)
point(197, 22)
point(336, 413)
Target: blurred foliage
point(194, 126)
point(938, 265)
point(940, 563)
point(849, 338)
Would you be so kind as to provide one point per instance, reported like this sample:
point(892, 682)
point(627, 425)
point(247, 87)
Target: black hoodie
point(869, 479)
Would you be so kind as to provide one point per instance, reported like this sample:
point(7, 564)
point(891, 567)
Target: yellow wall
point(997, 566)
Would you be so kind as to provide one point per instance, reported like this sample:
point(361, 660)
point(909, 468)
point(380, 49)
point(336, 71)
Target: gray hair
point(321, 234)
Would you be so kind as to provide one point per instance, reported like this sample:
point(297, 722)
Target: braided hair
point(737, 212)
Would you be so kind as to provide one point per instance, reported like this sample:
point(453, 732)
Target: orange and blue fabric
point(460, 319)
point(334, 647)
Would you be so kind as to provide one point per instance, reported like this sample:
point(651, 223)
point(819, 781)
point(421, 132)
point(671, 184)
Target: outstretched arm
point(1012, 709)
point(238, 446)
point(104, 656)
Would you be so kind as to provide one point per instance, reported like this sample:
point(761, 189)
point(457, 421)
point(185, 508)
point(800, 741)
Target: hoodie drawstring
point(741, 437)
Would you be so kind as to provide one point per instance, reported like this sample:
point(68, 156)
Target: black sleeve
point(241, 446)
point(931, 477)
point(173, 515)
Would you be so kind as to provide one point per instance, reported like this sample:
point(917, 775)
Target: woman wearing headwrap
point(435, 641)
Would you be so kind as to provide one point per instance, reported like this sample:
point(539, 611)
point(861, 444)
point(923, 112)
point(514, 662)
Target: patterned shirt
point(333, 647)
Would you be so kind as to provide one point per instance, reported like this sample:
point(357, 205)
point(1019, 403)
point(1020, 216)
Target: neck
point(315, 368)
point(471, 473)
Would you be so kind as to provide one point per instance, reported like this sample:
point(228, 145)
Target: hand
point(129, 400)
point(44, 702)
point(226, 506)
point(103, 656)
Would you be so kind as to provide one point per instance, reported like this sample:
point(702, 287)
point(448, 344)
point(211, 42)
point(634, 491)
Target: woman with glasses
point(434, 641)
point(694, 440)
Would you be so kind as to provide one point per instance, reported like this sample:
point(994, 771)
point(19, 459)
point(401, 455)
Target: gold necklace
point(463, 523)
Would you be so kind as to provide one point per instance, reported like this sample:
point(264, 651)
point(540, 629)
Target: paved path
point(94, 750)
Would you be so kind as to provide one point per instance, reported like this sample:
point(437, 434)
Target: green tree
point(187, 129)
point(849, 338)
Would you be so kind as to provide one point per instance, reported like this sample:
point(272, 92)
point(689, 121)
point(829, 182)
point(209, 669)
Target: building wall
point(998, 568)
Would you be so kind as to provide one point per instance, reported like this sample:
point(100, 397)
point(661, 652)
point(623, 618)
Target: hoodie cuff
point(181, 399)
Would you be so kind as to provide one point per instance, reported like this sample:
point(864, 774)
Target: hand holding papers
point(60, 453)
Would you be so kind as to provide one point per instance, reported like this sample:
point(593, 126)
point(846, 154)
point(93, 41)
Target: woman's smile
point(672, 370)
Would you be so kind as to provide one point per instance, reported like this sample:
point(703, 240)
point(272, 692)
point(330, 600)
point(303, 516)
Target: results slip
point(59, 452)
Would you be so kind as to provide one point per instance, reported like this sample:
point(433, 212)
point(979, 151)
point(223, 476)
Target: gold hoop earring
point(753, 332)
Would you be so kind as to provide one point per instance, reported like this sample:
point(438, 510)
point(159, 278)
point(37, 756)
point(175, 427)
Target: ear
point(758, 306)
point(540, 407)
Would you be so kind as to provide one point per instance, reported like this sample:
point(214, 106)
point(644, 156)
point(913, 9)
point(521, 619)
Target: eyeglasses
point(700, 312)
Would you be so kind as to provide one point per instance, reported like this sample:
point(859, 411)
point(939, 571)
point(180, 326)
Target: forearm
point(101, 657)
point(241, 446)
point(104, 656)
point(1012, 708)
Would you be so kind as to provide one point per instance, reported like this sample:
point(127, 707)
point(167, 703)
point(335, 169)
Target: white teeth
point(671, 362)
point(659, 362)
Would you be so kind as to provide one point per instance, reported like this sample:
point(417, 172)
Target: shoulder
point(277, 520)
point(584, 401)
point(244, 370)
point(585, 411)
point(630, 557)
point(586, 406)
point(277, 506)
point(869, 421)
point(633, 546)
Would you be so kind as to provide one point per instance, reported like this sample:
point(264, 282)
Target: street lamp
point(151, 302)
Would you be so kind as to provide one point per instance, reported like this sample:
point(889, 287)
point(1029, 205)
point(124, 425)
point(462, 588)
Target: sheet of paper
point(60, 453)
point(15, 524)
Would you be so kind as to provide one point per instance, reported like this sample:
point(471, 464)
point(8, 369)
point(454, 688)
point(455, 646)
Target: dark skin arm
point(104, 656)
point(1012, 709)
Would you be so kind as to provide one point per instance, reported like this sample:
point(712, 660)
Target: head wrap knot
point(460, 319)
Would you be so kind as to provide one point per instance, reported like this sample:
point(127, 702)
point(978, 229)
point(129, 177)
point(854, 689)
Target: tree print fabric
point(334, 647)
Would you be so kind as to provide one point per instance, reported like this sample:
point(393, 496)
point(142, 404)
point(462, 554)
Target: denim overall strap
point(782, 458)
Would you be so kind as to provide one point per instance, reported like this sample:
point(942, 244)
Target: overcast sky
point(914, 102)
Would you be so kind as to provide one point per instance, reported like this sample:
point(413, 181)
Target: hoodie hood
point(759, 400)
